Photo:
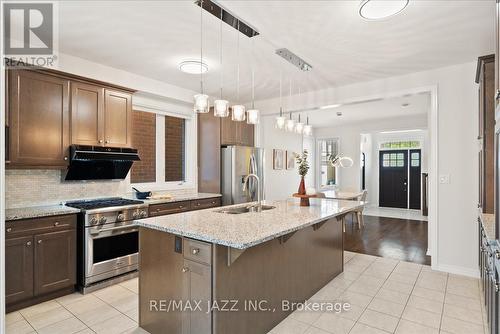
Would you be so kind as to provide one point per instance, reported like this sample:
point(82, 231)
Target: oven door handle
point(132, 228)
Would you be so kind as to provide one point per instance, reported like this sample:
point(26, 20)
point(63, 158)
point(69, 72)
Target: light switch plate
point(444, 178)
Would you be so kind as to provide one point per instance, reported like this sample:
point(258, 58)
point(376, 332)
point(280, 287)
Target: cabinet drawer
point(197, 251)
point(205, 203)
point(39, 225)
point(169, 208)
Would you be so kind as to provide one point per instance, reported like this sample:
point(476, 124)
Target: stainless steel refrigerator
point(238, 162)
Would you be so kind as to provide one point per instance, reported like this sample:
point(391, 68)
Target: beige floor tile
point(355, 298)
point(115, 325)
point(370, 280)
point(314, 330)
point(463, 314)
point(358, 287)
point(137, 330)
point(132, 285)
point(379, 320)
point(387, 307)
point(464, 291)
point(403, 278)
point(438, 284)
point(133, 314)
point(351, 267)
point(19, 327)
point(340, 283)
point(398, 287)
point(85, 304)
point(327, 293)
point(434, 295)
point(422, 317)
point(290, 326)
point(393, 296)
point(113, 293)
point(39, 308)
point(408, 327)
point(351, 276)
point(86, 331)
point(374, 271)
point(457, 326)
point(353, 312)
point(71, 298)
point(126, 303)
point(67, 326)
point(98, 314)
point(13, 317)
point(49, 317)
point(308, 317)
point(410, 266)
point(425, 304)
point(468, 303)
point(332, 323)
point(364, 329)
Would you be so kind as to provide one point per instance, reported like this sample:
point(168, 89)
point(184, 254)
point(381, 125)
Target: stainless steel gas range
point(108, 241)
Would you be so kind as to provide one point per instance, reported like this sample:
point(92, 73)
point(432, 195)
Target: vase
point(302, 187)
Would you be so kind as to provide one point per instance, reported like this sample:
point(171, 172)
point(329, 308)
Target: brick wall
point(144, 139)
point(174, 149)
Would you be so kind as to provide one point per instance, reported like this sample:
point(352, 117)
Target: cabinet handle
point(9, 229)
point(107, 142)
point(185, 269)
point(28, 243)
point(180, 206)
point(56, 224)
point(100, 141)
point(40, 241)
point(198, 204)
point(65, 158)
point(195, 251)
point(213, 202)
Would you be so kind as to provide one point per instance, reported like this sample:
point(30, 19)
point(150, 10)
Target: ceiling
point(390, 108)
point(150, 38)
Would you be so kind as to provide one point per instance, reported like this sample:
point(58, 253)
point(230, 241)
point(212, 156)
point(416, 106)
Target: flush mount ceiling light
point(193, 67)
point(381, 9)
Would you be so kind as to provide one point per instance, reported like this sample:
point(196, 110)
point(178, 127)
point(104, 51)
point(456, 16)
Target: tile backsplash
point(25, 188)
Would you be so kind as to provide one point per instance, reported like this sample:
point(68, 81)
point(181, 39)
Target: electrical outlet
point(444, 178)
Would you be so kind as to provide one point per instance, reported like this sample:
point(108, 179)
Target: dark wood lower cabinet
point(40, 259)
point(18, 269)
point(177, 207)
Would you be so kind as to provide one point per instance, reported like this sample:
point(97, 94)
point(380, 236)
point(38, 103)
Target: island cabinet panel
point(87, 114)
point(18, 269)
point(117, 118)
point(39, 131)
point(40, 260)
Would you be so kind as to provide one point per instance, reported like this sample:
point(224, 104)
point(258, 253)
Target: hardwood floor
point(399, 239)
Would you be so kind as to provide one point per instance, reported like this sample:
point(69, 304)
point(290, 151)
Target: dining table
point(342, 195)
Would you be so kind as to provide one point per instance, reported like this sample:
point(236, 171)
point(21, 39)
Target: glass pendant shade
point(290, 125)
point(307, 130)
point(299, 127)
point(201, 104)
point(221, 108)
point(253, 116)
point(280, 122)
point(238, 113)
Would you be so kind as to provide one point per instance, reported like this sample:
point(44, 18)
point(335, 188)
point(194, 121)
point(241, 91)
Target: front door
point(415, 178)
point(393, 179)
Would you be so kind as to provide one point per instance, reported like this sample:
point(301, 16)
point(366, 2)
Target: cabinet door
point(197, 286)
point(228, 130)
point(247, 134)
point(117, 119)
point(87, 114)
point(38, 120)
point(55, 261)
point(18, 269)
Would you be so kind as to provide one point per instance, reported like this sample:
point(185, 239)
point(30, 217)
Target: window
point(327, 173)
point(393, 160)
point(400, 145)
point(415, 159)
point(161, 142)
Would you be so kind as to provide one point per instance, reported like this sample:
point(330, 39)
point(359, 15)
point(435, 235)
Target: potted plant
point(303, 166)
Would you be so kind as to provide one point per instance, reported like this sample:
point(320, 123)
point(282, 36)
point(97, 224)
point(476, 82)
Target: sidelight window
point(327, 173)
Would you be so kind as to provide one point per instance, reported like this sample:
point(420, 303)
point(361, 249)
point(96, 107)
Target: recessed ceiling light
point(193, 67)
point(404, 105)
point(339, 113)
point(381, 9)
point(330, 106)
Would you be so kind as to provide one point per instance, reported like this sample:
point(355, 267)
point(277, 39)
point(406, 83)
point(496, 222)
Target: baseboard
point(457, 270)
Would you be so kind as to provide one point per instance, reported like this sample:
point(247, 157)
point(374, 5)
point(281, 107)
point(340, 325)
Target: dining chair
point(359, 212)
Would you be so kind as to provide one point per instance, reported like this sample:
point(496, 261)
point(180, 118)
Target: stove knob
point(120, 217)
point(103, 220)
point(136, 215)
point(93, 221)
point(144, 214)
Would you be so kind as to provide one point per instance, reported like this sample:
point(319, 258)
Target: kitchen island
point(215, 271)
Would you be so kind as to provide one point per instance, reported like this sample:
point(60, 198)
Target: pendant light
point(280, 120)
point(299, 126)
point(238, 109)
point(307, 128)
point(290, 124)
point(253, 114)
point(221, 106)
point(201, 103)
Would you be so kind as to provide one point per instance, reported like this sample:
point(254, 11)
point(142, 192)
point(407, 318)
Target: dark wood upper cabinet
point(39, 122)
point(87, 114)
point(247, 134)
point(117, 118)
point(18, 269)
point(55, 259)
point(236, 133)
point(209, 141)
point(485, 77)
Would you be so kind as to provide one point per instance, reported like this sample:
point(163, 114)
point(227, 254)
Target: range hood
point(99, 163)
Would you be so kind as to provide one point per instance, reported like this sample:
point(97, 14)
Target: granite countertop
point(242, 231)
point(180, 198)
point(38, 211)
point(488, 221)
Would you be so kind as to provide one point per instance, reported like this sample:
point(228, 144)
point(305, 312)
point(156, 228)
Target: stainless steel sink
point(244, 209)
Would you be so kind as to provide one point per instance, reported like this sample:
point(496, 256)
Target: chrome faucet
point(258, 207)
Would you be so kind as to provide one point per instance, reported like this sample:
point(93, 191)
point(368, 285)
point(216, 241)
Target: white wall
point(455, 203)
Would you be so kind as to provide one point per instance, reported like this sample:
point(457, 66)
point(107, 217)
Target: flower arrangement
point(302, 163)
